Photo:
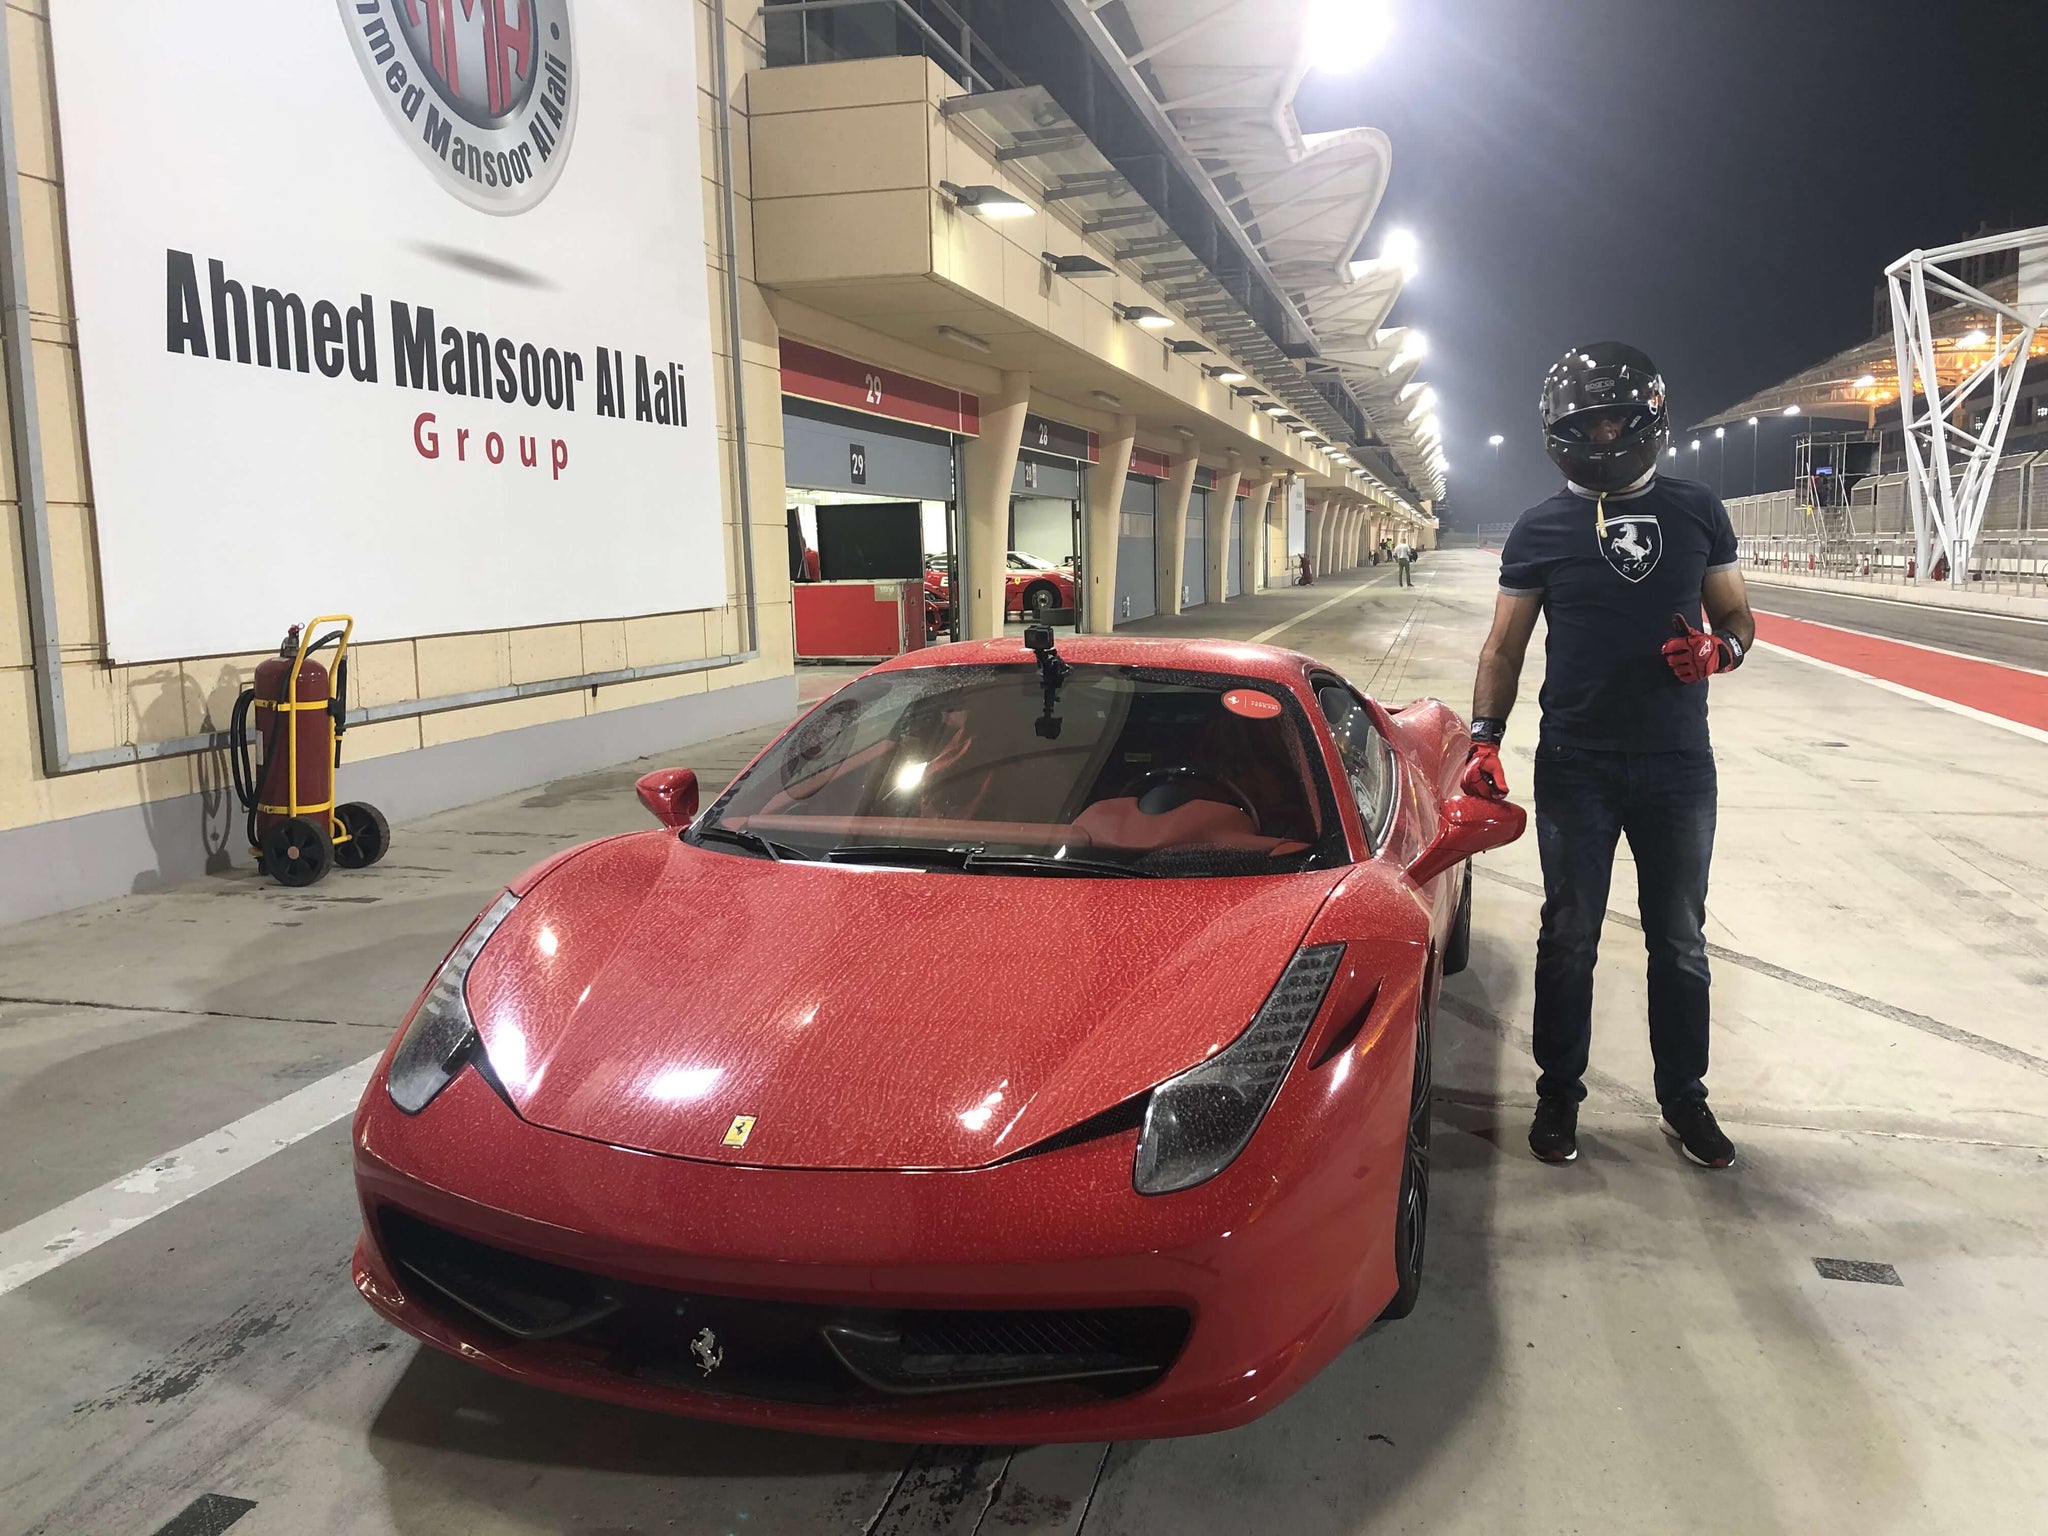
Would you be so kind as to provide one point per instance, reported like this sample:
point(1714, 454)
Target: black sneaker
point(1693, 1127)
point(1554, 1134)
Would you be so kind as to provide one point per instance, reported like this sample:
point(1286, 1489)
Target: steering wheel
point(1160, 777)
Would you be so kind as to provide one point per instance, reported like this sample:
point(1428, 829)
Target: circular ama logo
point(483, 90)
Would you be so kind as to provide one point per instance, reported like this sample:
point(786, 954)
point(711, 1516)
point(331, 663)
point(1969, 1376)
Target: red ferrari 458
point(1030, 1045)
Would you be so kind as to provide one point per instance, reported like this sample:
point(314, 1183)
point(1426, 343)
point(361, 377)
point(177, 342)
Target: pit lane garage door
point(1137, 551)
point(828, 449)
point(1233, 561)
point(1194, 570)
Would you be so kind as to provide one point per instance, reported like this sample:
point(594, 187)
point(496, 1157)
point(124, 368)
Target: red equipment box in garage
point(858, 620)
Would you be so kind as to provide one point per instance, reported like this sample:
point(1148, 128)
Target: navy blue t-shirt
point(1609, 601)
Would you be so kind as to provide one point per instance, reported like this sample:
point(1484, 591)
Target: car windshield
point(1019, 561)
point(1134, 771)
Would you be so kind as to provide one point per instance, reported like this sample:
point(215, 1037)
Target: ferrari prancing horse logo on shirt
point(1632, 543)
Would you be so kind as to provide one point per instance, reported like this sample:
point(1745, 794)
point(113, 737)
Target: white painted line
point(2015, 726)
point(1915, 645)
point(78, 1226)
point(1897, 602)
point(1266, 635)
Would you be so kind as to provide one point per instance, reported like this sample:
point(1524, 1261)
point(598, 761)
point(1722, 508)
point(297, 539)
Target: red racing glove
point(1483, 774)
point(1694, 655)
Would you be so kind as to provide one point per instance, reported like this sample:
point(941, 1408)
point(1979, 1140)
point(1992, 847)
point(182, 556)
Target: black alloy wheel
point(1411, 1209)
point(1039, 601)
point(297, 851)
point(1458, 948)
point(369, 835)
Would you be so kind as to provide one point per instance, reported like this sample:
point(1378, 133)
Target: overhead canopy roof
point(1220, 77)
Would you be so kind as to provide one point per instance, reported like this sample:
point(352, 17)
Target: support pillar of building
point(1104, 513)
point(1258, 495)
point(1172, 533)
point(988, 468)
point(1216, 537)
point(1318, 527)
point(1353, 520)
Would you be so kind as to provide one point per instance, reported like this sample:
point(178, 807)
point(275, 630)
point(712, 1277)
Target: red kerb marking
point(2007, 692)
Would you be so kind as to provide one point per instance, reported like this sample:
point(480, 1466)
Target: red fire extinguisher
point(298, 710)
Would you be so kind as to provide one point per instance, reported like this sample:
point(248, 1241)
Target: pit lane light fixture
point(965, 339)
point(1275, 409)
point(1078, 266)
point(1977, 337)
point(1346, 35)
point(1225, 375)
point(1106, 397)
point(1139, 314)
point(1414, 348)
point(1185, 348)
point(1866, 381)
point(1791, 410)
point(1495, 441)
point(988, 202)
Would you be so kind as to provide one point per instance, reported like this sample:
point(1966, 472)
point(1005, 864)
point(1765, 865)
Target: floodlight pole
point(1950, 469)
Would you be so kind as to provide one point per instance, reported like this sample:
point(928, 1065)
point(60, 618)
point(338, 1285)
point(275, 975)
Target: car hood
point(647, 993)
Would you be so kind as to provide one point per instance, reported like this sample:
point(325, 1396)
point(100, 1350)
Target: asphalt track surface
point(2012, 640)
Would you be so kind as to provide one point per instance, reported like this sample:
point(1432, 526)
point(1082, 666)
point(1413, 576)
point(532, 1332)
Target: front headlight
point(441, 1035)
point(1197, 1123)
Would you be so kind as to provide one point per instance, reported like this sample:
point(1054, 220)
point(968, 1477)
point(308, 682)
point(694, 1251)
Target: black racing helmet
point(1588, 382)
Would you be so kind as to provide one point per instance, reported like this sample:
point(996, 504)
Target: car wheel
point(1040, 601)
point(1458, 948)
point(1411, 1209)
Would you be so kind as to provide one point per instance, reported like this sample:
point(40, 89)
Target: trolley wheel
point(297, 851)
point(369, 835)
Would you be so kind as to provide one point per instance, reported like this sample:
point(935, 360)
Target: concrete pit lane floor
point(1626, 1344)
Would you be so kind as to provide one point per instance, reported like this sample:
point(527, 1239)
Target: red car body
point(1034, 592)
point(931, 1151)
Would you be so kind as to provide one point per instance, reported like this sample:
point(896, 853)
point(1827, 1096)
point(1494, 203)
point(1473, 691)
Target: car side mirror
point(1470, 824)
point(671, 794)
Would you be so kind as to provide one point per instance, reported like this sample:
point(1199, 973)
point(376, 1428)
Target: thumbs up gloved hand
point(1695, 655)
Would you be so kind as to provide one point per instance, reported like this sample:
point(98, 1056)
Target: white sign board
point(391, 307)
point(1297, 516)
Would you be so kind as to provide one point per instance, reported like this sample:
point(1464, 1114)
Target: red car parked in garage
point(1032, 589)
point(668, 1128)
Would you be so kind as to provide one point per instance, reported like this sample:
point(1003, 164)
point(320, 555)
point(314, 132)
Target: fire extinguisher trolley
point(298, 709)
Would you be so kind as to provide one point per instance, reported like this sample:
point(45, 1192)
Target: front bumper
point(1272, 1267)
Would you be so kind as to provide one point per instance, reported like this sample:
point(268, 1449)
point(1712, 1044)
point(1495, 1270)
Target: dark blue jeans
point(1664, 802)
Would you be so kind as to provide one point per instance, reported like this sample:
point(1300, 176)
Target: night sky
point(1719, 182)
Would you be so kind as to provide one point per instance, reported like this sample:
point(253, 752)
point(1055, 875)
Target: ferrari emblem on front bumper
point(706, 1349)
point(741, 1128)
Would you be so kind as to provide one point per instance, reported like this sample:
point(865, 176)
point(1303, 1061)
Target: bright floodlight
point(1866, 381)
point(1401, 249)
point(1752, 421)
point(1344, 35)
point(1495, 441)
point(1671, 452)
point(1720, 431)
point(1791, 410)
point(1976, 338)
point(1414, 347)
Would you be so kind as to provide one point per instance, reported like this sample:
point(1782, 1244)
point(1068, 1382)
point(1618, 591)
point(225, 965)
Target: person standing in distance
point(1404, 556)
point(1621, 562)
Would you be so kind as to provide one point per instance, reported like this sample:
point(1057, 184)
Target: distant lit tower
point(1950, 468)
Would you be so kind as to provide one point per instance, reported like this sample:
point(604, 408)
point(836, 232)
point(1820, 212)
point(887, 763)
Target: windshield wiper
point(740, 837)
point(919, 854)
point(978, 859)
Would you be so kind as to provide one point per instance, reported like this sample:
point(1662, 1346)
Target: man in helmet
point(1622, 562)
